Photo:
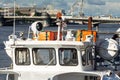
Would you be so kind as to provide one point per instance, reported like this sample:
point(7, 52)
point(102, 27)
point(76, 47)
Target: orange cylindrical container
point(82, 34)
point(47, 35)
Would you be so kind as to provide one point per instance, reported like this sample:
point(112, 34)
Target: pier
point(48, 16)
point(70, 18)
point(51, 19)
point(4, 20)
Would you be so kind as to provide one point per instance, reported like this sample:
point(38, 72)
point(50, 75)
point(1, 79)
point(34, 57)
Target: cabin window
point(87, 56)
point(22, 56)
point(10, 77)
point(44, 56)
point(68, 57)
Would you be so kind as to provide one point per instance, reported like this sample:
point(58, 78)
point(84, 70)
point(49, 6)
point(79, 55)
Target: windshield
point(68, 56)
point(44, 56)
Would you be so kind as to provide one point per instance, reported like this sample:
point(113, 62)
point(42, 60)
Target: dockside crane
point(81, 9)
point(79, 6)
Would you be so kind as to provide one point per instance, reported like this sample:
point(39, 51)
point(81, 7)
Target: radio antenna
point(14, 21)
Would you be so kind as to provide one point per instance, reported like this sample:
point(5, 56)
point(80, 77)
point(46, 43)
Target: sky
point(90, 7)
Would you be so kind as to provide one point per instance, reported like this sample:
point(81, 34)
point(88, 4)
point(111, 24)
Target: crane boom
point(79, 6)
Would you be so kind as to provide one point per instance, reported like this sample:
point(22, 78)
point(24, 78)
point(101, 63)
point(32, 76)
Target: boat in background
point(62, 55)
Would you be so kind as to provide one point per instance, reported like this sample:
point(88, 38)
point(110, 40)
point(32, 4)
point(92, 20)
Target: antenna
point(14, 21)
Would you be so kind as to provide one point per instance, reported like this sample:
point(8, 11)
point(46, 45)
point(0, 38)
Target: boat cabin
point(55, 60)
